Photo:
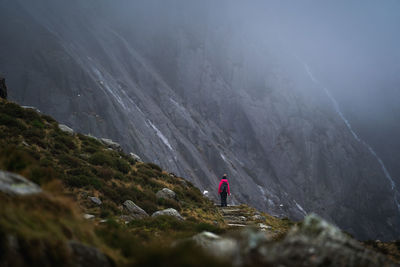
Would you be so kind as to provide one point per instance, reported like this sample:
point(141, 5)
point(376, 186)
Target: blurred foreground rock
point(84, 255)
point(14, 184)
point(314, 243)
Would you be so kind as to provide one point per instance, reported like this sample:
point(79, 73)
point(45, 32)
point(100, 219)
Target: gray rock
point(31, 107)
point(111, 144)
point(166, 193)
point(15, 184)
point(95, 200)
point(135, 157)
point(3, 88)
point(134, 210)
point(84, 255)
point(168, 212)
point(66, 129)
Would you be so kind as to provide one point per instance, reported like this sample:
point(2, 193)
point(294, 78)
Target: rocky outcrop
point(314, 243)
point(166, 193)
point(134, 211)
point(3, 88)
point(168, 212)
point(14, 184)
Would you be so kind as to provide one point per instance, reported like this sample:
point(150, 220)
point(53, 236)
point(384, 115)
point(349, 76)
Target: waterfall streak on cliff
point(348, 125)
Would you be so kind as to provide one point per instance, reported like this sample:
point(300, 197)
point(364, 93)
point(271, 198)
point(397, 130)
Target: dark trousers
point(223, 199)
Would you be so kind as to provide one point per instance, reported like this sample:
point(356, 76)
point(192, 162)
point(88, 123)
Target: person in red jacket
point(224, 190)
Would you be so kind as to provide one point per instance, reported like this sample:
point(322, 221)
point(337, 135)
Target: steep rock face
point(181, 97)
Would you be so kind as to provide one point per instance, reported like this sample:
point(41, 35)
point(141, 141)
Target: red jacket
point(220, 184)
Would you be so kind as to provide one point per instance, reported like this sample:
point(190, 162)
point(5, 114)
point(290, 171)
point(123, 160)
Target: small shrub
point(17, 161)
point(149, 206)
point(33, 132)
point(154, 166)
point(122, 165)
point(105, 173)
point(194, 194)
point(66, 140)
point(14, 110)
point(169, 203)
point(9, 121)
point(41, 175)
point(49, 119)
point(37, 123)
point(83, 181)
point(101, 159)
point(70, 161)
point(32, 116)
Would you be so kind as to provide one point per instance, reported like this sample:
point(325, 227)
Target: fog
point(351, 46)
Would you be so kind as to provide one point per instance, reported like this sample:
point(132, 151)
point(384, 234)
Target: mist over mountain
point(269, 92)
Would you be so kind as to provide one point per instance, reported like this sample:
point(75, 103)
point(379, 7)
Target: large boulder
point(14, 184)
point(3, 88)
point(168, 212)
point(134, 211)
point(166, 193)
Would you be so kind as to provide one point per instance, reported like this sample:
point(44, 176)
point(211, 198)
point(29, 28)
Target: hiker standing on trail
point(223, 190)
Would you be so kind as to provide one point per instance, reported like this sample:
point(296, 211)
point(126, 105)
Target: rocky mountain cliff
point(183, 93)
